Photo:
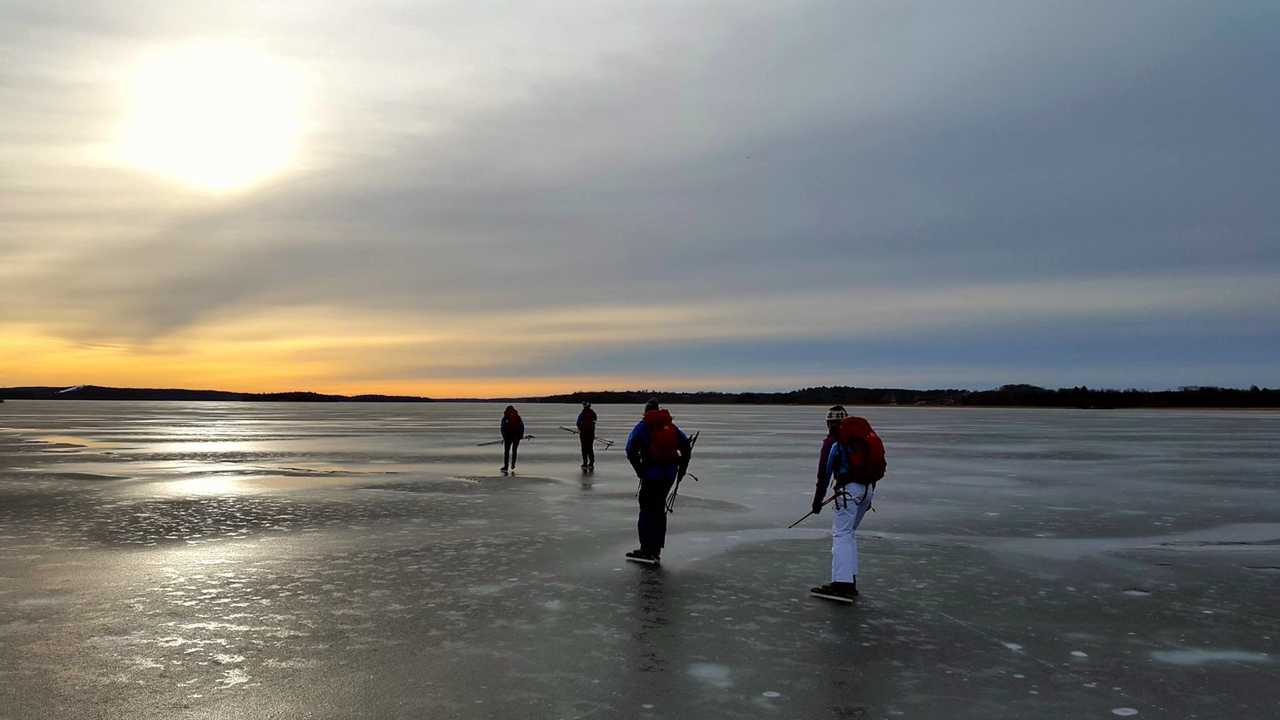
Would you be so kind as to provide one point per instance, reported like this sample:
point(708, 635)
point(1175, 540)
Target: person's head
point(586, 404)
point(510, 409)
point(651, 405)
point(835, 414)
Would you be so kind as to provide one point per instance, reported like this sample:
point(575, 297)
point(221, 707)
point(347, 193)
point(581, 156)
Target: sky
point(487, 198)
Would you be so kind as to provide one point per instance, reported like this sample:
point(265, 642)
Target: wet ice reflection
point(166, 556)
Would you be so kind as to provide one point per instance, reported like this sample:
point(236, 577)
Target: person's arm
point(824, 477)
point(822, 458)
point(503, 427)
point(634, 442)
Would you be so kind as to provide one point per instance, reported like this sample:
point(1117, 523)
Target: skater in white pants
point(856, 464)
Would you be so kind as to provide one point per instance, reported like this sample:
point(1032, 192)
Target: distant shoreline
point(1008, 396)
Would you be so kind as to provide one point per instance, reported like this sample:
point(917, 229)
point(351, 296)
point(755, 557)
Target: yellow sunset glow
point(216, 117)
point(255, 356)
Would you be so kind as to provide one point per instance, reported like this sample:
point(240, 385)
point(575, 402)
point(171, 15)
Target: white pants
point(849, 509)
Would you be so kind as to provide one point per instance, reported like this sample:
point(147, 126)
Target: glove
point(817, 507)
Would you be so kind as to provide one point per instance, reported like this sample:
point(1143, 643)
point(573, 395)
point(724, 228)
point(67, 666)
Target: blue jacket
point(837, 464)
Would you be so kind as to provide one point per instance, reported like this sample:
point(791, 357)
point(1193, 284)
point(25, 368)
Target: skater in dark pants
point(587, 435)
point(659, 452)
point(512, 433)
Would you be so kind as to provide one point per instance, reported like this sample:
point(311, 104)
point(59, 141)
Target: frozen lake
point(202, 560)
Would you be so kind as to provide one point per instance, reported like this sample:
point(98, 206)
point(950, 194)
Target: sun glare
point(218, 117)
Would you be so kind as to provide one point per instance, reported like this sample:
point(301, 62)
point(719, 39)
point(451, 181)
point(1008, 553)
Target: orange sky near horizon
point(36, 360)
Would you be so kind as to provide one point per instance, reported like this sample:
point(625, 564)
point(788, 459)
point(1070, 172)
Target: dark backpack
point(514, 425)
point(862, 450)
point(664, 439)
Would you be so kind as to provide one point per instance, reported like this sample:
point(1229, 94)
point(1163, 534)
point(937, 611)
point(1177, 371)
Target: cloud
point(619, 176)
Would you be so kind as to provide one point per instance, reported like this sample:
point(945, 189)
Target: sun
point(217, 117)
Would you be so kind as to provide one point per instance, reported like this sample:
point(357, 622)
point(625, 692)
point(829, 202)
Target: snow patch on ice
point(1202, 657)
point(711, 674)
point(232, 678)
point(290, 663)
point(1079, 654)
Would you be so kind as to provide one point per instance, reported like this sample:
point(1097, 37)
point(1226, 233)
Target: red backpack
point(664, 439)
point(515, 425)
point(863, 449)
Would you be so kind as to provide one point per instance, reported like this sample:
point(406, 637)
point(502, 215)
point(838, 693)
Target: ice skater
point(659, 452)
point(854, 454)
point(512, 433)
point(587, 435)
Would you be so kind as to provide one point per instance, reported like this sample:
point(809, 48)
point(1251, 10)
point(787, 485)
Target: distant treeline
point(808, 396)
point(95, 392)
point(1187, 397)
point(1005, 396)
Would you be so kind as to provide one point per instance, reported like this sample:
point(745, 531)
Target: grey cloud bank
point(1090, 175)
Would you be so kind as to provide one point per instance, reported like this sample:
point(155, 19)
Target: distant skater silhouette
point(587, 435)
point(512, 433)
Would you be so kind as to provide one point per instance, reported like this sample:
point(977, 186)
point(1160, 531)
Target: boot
point(837, 591)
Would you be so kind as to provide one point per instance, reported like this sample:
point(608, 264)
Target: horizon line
point(636, 391)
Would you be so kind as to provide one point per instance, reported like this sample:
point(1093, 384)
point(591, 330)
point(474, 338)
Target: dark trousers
point(654, 486)
point(588, 449)
point(509, 450)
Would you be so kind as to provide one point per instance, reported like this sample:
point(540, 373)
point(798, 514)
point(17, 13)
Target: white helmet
point(836, 414)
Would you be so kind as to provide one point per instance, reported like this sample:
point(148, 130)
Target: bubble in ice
point(1124, 711)
point(1079, 654)
point(771, 694)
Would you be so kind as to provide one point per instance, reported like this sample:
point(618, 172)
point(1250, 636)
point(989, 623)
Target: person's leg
point(586, 446)
point(863, 493)
point(652, 524)
point(506, 454)
point(515, 449)
point(591, 452)
point(844, 554)
point(645, 524)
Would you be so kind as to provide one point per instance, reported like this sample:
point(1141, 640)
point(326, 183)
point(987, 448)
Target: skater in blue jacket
point(659, 452)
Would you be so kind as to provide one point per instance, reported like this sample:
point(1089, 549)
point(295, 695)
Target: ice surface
point(1202, 656)
point(170, 560)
